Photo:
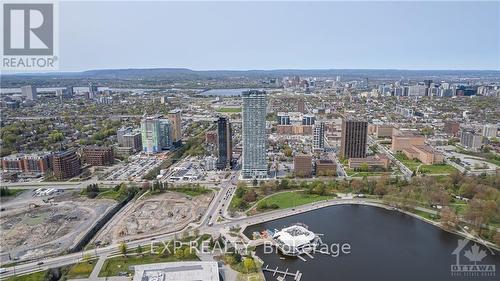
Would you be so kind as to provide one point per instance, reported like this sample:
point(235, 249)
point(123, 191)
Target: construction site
point(152, 214)
point(34, 225)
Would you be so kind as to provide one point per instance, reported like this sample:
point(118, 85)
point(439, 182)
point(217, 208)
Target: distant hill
point(184, 73)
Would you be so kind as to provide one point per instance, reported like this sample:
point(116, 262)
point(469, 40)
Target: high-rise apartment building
point(66, 164)
point(254, 134)
point(156, 134)
point(354, 136)
point(319, 136)
point(490, 130)
point(133, 140)
point(121, 132)
point(29, 92)
point(92, 90)
point(470, 140)
point(176, 125)
point(224, 143)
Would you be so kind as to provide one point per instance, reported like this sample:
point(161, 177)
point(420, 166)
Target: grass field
point(111, 194)
point(11, 192)
point(81, 270)
point(191, 191)
point(425, 215)
point(229, 110)
point(113, 266)
point(37, 276)
point(352, 173)
point(291, 199)
point(425, 169)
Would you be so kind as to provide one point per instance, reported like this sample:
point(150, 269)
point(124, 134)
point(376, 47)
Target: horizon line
point(238, 70)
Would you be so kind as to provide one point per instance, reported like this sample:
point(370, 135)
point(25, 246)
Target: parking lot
point(135, 169)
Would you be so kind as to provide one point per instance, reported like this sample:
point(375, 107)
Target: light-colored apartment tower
point(254, 134)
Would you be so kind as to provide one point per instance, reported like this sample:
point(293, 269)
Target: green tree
point(249, 264)
point(123, 248)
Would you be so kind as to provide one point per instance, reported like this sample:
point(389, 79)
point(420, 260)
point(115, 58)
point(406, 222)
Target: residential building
point(283, 118)
point(319, 136)
point(36, 163)
point(120, 133)
point(354, 137)
point(254, 134)
point(417, 90)
point(92, 90)
point(308, 119)
point(156, 134)
point(490, 130)
point(470, 139)
point(176, 121)
point(302, 165)
point(98, 155)
point(29, 92)
point(13, 163)
point(224, 143)
point(133, 140)
point(66, 164)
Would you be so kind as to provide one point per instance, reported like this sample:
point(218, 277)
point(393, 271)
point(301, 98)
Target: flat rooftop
point(177, 271)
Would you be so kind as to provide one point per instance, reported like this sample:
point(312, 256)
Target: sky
point(279, 35)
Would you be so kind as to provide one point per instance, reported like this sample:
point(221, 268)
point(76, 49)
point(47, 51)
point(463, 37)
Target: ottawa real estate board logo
point(469, 260)
point(30, 35)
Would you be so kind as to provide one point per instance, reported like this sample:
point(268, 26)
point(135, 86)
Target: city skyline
point(359, 35)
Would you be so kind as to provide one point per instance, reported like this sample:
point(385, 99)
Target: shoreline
point(465, 235)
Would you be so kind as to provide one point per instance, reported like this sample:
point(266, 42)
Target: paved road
point(203, 226)
point(68, 259)
point(405, 170)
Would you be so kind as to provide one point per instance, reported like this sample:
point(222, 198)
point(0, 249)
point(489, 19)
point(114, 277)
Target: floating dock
point(296, 276)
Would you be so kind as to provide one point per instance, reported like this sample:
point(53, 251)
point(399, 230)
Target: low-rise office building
point(325, 167)
point(424, 153)
point(371, 162)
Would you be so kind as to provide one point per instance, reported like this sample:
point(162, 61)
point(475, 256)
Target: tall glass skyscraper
point(224, 143)
point(254, 134)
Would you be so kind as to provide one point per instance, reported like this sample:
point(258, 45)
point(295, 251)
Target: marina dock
point(296, 276)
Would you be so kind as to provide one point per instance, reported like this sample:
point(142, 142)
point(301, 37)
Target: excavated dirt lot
point(32, 228)
point(154, 214)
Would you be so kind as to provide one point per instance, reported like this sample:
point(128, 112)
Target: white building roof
point(295, 235)
point(177, 271)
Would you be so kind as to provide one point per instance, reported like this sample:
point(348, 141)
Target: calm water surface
point(385, 245)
